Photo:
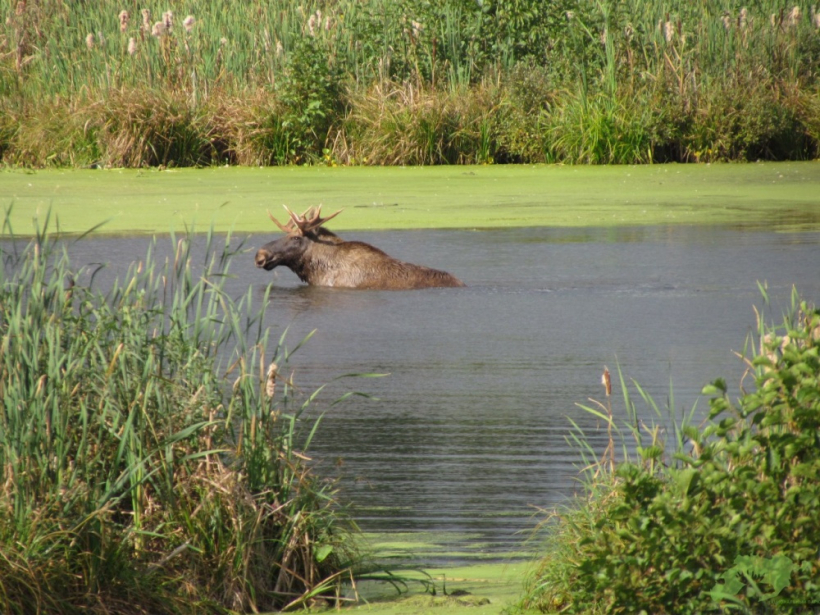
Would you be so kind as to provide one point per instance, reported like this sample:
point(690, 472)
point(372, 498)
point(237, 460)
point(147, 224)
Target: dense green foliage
point(729, 522)
point(407, 81)
point(149, 460)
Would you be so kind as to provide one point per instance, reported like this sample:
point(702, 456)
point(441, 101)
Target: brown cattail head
point(168, 20)
point(270, 385)
point(124, 17)
point(606, 381)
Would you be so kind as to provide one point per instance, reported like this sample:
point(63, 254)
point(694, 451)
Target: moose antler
point(287, 228)
point(308, 221)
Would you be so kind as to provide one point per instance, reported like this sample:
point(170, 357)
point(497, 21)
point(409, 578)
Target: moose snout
point(262, 257)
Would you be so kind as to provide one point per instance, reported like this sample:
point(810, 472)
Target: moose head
point(321, 258)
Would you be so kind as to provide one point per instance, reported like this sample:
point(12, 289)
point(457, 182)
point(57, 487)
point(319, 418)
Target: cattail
point(727, 21)
point(223, 41)
point(603, 37)
point(279, 49)
point(570, 15)
point(168, 20)
point(124, 17)
point(311, 24)
point(327, 23)
point(606, 381)
point(816, 20)
point(743, 18)
point(89, 41)
point(132, 46)
point(146, 20)
point(158, 30)
point(21, 8)
point(794, 16)
point(669, 31)
point(270, 386)
point(100, 39)
point(188, 23)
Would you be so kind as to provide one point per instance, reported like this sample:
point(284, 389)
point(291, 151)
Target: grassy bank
point(768, 195)
point(151, 453)
point(182, 83)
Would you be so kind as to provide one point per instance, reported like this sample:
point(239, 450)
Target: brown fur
point(321, 258)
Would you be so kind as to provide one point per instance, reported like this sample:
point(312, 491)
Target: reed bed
point(340, 82)
point(152, 454)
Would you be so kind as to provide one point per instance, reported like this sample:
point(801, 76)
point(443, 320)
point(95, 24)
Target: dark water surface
point(468, 433)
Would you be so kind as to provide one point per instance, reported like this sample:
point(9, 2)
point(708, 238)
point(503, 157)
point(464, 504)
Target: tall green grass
point(152, 454)
point(692, 518)
point(284, 82)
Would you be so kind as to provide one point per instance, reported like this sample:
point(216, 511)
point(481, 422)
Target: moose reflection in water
point(321, 258)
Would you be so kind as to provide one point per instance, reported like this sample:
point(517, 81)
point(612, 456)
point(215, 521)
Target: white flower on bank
point(669, 31)
point(89, 41)
point(158, 30)
point(124, 16)
point(188, 23)
point(743, 18)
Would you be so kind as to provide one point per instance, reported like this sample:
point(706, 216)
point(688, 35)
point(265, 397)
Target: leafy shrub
point(310, 95)
point(729, 522)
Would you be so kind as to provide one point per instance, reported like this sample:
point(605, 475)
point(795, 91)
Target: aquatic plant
point(152, 447)
point(724, 520)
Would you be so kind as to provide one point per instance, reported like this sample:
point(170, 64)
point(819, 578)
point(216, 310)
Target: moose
point(321, 258)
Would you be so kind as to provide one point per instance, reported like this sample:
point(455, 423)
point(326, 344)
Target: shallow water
point(468, 434)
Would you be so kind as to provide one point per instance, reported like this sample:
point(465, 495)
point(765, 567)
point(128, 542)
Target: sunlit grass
point(408, 82)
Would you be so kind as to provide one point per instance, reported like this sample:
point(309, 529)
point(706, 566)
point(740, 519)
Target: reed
point(151, 459)
point(608, 64)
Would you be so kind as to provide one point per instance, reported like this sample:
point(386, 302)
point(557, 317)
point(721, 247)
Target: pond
point(468, 434)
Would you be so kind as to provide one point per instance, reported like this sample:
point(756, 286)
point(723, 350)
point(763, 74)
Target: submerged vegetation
point(126, 83)
point(151, 452)
point(723, 520)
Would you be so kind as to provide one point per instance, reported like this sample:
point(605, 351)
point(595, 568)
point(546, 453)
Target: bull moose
point(321, 258)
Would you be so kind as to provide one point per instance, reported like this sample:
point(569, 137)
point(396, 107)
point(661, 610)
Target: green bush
point(729, 521)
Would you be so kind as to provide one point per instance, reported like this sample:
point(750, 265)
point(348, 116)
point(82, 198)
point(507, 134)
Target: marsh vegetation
point(152, 454)
point(701, 516)
point(409, 82)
